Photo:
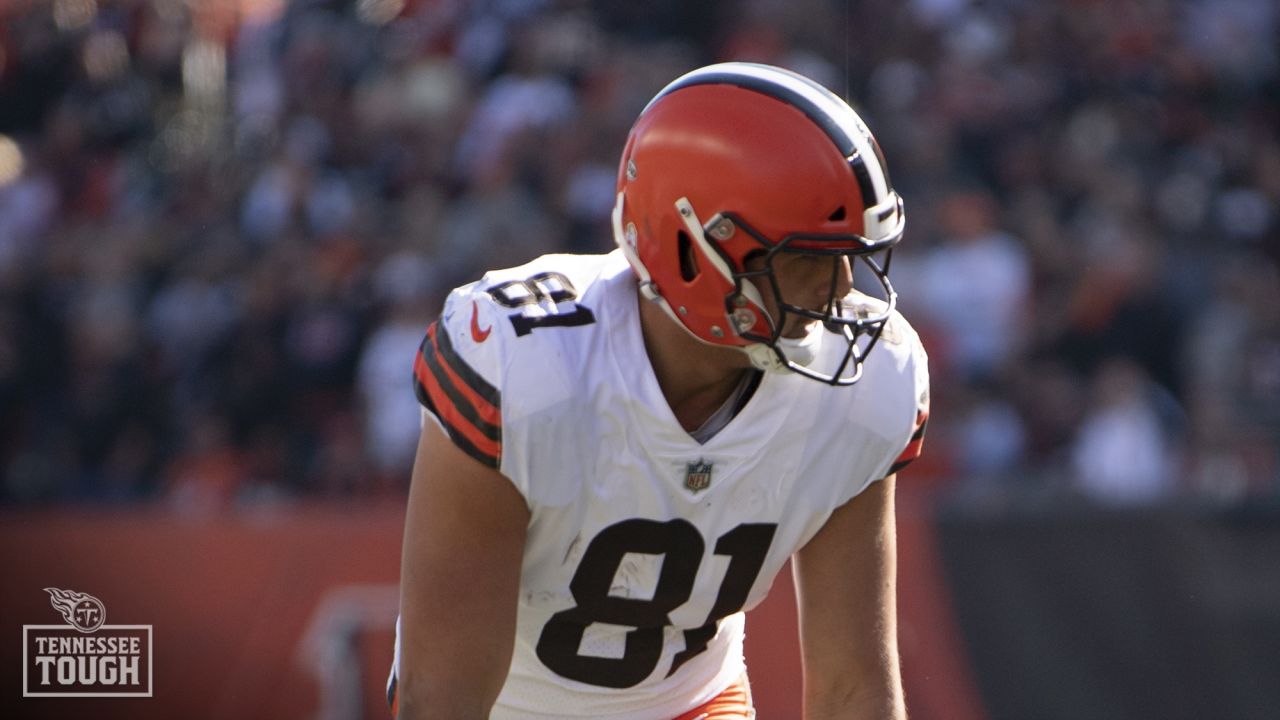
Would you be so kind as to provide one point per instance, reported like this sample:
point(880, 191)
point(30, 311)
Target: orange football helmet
point(740, 160)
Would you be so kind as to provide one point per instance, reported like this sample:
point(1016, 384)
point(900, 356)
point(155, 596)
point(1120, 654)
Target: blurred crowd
point(225, 224)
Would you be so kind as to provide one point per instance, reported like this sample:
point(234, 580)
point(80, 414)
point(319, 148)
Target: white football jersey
point(645, 547)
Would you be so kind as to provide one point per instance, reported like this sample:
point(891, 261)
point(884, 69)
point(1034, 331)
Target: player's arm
point(459, 579)
point(846, 588)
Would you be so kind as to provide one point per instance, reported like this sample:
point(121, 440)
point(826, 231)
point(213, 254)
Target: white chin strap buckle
point(801, 351)
point(764, 358)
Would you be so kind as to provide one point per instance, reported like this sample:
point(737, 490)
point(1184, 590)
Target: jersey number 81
point(682, 547)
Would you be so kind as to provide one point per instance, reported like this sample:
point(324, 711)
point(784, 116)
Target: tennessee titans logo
point(698, 476)
point(82, 611)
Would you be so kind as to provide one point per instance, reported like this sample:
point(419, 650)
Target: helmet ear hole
point(688, 262)
point(838, 215)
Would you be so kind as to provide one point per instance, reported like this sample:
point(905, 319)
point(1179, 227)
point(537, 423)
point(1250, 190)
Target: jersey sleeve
point(920, 376)
point(457, 374)
point(916, 444)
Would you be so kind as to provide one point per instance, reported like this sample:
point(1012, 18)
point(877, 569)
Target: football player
point(620, 452)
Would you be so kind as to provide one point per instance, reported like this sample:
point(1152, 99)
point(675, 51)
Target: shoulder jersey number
point(547, 287)
point(682, 547)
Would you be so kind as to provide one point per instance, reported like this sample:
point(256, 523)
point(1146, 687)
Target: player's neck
point(696, 378)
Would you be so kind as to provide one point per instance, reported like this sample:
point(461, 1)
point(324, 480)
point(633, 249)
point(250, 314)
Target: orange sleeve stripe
point(453, 418)
point(915, 446)
point(922, 419)
point(485, 410)
point(912, 451)
point(428, 370)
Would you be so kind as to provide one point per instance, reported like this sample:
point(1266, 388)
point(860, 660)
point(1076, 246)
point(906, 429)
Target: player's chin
point(798, 327)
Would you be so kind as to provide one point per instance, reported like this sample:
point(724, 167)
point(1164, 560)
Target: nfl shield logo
point(698, 476)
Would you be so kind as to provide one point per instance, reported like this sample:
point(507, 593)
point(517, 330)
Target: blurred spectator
point(208, 471)
point(1125, 451)
point(405, 283)
point(224, 225)
point(28, 199)
point(990, 434)
point(974, 289)
point(1234, 371)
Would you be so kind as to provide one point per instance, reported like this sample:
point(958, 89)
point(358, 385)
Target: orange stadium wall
point(289, 613)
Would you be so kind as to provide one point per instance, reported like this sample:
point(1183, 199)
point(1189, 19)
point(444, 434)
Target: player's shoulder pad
point(482, 367)
point(493, 320)
point(893, 392)
point(904, 344)
point(898, 353)
point(910, 363)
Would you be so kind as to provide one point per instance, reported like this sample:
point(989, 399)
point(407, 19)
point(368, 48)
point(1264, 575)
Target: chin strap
point(764, 358)
point(800, 351)
point(626, 241)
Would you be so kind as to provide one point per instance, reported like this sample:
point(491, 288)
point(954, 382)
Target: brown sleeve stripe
point(463, 434)
point(439, 386)
point(449, 371)
point(914, 447)
point(472, 422)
